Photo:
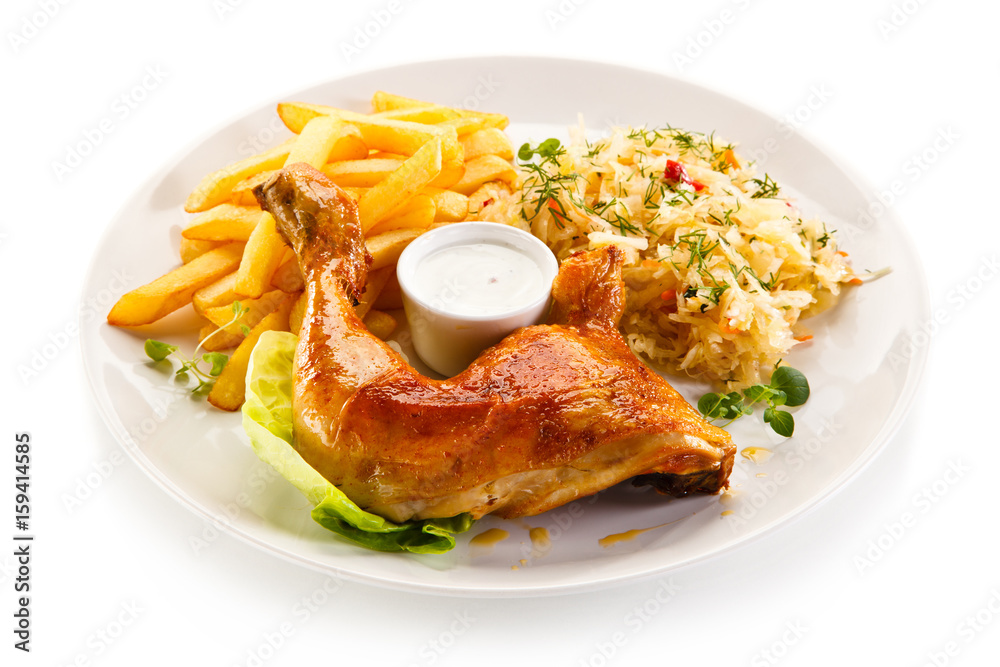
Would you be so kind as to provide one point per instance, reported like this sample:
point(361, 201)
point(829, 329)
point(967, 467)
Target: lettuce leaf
point(267, 420)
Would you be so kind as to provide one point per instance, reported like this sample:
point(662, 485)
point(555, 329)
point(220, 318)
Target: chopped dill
point(766, 189)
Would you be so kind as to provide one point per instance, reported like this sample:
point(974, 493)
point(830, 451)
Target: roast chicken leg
point(552, 413)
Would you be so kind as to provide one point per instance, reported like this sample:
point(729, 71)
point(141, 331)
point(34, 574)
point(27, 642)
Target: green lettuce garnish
point(267, 420)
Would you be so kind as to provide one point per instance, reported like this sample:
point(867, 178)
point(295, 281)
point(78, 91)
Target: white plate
point(862, 366)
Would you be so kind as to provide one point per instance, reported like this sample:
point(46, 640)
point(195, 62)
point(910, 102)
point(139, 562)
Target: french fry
point(386, 248)
point(452, 172)
point(230, 387)
point(288, 277)
point(391, 297)
point(191, 249)
point(295, 115)
point(169, 292)
point(429, 115)
point(418, 213)
point(384, 155)
point(465, 125)
point(225, 222)
point(361, 173)
point(449, 206)
point(383, 101)
point(297, 314)
point(260, 258)
point(407, 138)
point(400, 186)
point(216, 187)
point(380, 323)
point(350, 145)
point(265, 246)
point(488, 141)
point(243, 195)
point(385, 134)
point(354, 193)
point(368, 173)
point(497, 120)
point(373, 286)
point(221, 292)
point(213, 340)
point(316, 141)
point(256, 309)
point(483, 169)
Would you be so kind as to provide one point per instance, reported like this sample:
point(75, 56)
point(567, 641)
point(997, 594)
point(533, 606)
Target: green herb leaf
point(157, 350)
point(736, 408)
point(758, 393)
point(793, 383)
point(218, 361)
point(723, 406)
point(788, 387)
point(712, 405)
point(781, 421)
point(546, 150)
point(245, 330)
point(766, 189)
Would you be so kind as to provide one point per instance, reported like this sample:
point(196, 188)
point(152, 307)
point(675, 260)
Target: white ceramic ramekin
point(448, 341)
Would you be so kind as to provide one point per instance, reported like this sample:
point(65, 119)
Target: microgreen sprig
point(788, 387)
point(547, 150)
point(160, 351)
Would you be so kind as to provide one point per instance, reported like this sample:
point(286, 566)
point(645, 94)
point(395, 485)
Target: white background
point(893, 77)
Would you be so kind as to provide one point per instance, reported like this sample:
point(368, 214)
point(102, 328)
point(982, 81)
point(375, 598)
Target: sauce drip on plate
point(489, 538)
point(758, 455)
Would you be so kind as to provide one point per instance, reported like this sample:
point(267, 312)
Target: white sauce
point(478, 279)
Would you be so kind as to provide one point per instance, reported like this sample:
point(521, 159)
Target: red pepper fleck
point(676, 173)
point(669, 298)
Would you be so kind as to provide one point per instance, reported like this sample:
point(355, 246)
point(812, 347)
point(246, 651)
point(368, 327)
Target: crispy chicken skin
point(552, 413)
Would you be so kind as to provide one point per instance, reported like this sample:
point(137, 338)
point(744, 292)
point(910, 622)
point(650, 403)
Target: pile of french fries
point(409, 165)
